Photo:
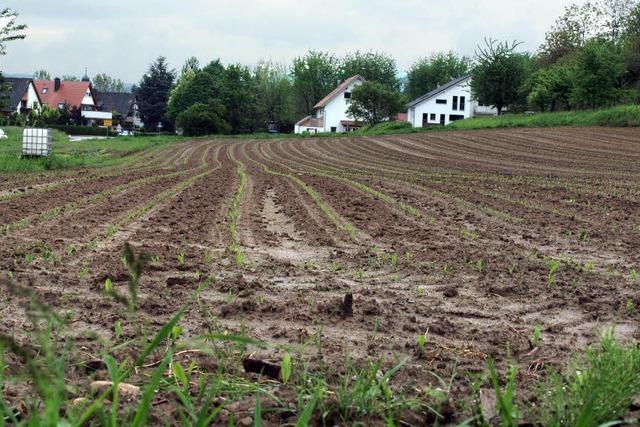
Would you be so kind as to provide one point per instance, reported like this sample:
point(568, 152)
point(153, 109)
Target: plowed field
point(470, 239)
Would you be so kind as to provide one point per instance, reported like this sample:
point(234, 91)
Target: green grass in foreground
point(67, 154)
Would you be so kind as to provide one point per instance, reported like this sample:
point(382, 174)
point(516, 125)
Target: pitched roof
point(16, 89)
point(438, 91)
point(339, 89)
point(119, 102)
point(70, 93)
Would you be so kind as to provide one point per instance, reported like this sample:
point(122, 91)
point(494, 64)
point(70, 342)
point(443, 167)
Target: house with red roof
point(78, 95)
point(330, 113)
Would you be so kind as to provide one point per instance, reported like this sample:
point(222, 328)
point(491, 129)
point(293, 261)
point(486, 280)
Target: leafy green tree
point(427, 73)
point(202, 87)
point(551, 87)
point(499, 74)
point(274, 92)
point(597, 74)
point(314, 76)
point(373, 102)
point(190, 67)
point(373, 66)
point(105, 83)
point(239, 99)
point(41, 75)
point(203, 119)
point(153, 91)
point(578, 23)
point(70, 78)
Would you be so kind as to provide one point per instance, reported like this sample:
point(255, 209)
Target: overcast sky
point(121, 37)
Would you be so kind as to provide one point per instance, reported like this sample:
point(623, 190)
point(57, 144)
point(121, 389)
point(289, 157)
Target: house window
point(455, 103)
point(433, 116)
point(347, 95)
point(462, 103)
point(334, 129)
point(454, 117)
point(441, 101)
point(45, 90)
point(61, 105)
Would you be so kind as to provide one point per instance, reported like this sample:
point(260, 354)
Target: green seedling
point(29, 258)
point(511, 269)
point(420, 291)
point(554, 266)
point(108, 286)
point(634, 276)
point(446, 269)
point(631, 307)
point(181, 258)
point(155, 259)
point(286, 368)
point(537, 334)
point(360, 274)
point(69, 249)
point(335, 266)
point(480, 266)
point(84, 272)
point(394, 259)
point(421, 342)
point(117, 329)
point(589, 266)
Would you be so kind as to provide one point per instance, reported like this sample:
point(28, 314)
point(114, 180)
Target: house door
point(442, 119)
point(425, 120)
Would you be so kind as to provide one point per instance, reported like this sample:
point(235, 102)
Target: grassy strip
point(234, 214)
point(52, 213)
point(621, 116)
point(327, 210)
point(67, 154)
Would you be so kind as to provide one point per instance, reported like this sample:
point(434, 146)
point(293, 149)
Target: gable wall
point(336, 110)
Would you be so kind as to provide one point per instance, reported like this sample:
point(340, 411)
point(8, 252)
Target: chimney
point(56, 84)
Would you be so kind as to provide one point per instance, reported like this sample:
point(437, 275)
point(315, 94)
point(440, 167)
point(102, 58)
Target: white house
point(21, 96)
point(445, 104)
point(330, 113)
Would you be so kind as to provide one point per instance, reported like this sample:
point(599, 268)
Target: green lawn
point(67, 154)
point(621, 116)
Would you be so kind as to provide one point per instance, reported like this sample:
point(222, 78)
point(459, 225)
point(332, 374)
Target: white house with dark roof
point(20, 96)
point(445, 104)
point(330, 113)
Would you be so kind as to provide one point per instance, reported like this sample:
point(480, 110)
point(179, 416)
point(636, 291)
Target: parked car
point(3, 135)
point(125, 133)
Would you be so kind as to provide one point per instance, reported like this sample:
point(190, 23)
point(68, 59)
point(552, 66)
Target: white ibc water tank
point(36, 142)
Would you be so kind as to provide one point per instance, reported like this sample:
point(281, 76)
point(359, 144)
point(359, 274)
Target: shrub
point(202, 119)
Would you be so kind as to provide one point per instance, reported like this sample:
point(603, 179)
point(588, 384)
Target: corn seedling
point(554, 266)
point(421, 342)
point(181, 258)
point(634, 276)
point(631, 307)
point(286, 368)
point(420, 291)
point(537, 334)
point(480, 265)
point(360, 274)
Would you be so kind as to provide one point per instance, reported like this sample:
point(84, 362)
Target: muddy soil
point(471, 239)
